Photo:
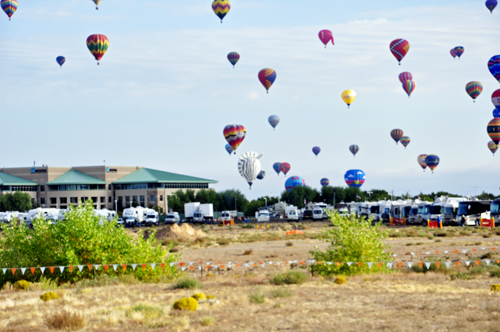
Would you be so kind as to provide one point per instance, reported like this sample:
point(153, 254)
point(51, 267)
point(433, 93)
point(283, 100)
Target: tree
point(255, 205)
point(17, 201)
point(297, 195)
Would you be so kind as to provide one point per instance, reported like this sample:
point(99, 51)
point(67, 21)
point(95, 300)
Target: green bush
point(80, 240)
point(186, 303)
point(22, 285)
point(461, 276)
point(49, 296)
point(289, 278)
point(281, 292)
point(257, 297)
point(351, 240)
point(186, 283)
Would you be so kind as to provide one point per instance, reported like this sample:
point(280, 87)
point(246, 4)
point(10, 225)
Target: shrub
point(22, 285)
point(223, 241)
point(199, 297)
point(257, 297)
point(353, 240)
point(49, 296)
point(461, 276)
point(65, 320)
point(495, 288)
point(488, 255)
point(186, 303)
point(289, 278)
point(147, 310)
point(281, 292)
point(48, 284)
point(186, 283)
point(289, 244)
point(340, 280)
point(440, 234)
point(247, 252)
point(205, 321)
point(80, 240)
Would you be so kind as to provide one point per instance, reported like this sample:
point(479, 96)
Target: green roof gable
point(147, 175)
point(11, 180)
point(75, 177)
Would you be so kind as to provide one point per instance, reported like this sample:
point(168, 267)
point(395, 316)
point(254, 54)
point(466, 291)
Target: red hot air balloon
point(405, 76)
point(494, 130)
point(234, 134)
point(326, 36)
point(396, 135)
point(399, 48)
point(267, 77)
point(285, 168)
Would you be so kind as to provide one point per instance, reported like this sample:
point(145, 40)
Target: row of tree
point(17, 201)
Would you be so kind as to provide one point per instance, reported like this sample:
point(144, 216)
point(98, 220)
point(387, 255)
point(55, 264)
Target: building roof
point(11, 180)
point(75, 177)
point(147, 175)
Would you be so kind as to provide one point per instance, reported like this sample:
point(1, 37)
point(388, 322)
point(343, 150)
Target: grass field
point(253, 299)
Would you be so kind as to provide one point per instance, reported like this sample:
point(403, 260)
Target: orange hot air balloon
point(97, 45)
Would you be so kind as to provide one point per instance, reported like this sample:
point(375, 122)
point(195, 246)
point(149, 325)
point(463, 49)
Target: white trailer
point(189, 209)
point(152, 218)
point(204, 212)
point(133, 216)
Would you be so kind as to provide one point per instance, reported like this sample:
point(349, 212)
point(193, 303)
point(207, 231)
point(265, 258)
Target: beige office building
point(107, 186)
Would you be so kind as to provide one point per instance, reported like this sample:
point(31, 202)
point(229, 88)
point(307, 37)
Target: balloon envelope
point(459, 50)
point(233, 58)
point(409, 87)
point(267, 77)
point(405, 76)
point(493, 147)
point(421, 161)
point(396, 134)
point(234, 134)
point(273, 120)
point(249, 166)
point(293, 182)
point(494, 130)
point(432, 161)
point(285, 168)
point(348, 97)
point(354, 149)
point(453, 54)
point(277, 168)
point(496, 113)
point(405, 140)
point(354, 178)
point(316, 150)
point(324, 182)
point(221, 8)
point(97, 2)
point(262, 175)
point(491, 4)
point(97, 45)
point(399, 48)
point(229, 149)
point(9, 7)
point(60, 60)
point(495, 99)
point(474, 89)
point(326, 36)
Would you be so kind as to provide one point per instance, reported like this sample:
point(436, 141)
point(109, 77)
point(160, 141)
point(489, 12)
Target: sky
point(165, 90)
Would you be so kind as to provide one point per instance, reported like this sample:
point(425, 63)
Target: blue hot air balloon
point(354, 149)
point(432, 161)
point(61, 60)
point(277, 168)
point(494, 67)
point(354, 178)
point(496, 113)
point(233, 57)
point(293, 182)
point(273, 120)
point(261, 175)
point(491, 4)
point(229, 149)
point(316, 150)
point(324, 182)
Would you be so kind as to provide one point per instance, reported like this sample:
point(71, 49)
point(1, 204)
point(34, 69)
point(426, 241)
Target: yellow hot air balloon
point(97, 2)
point(348, 97)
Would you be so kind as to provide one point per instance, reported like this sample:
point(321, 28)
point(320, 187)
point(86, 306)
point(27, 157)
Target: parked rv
point(263, 216)
point(416, 212)
point(152, 218)
point(189, 209)
point(470, 212)
point(495, 210)
point(318, 213)
point(172, 218)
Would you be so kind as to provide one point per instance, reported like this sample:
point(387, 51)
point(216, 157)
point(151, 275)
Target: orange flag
point(254, 264)
point(455, 251)
point(181, 264)
point(380, 264)
point(339, 264)
point(124, 266)
point(33, 270)
point(192, 268)
point(458, 263)
point(208, 266)
point(420, 264)
point(474, 250)
point(71, 269)
point(319, 263)
point(493, 248)
point(498, 261)
point(162, 265)
point(400, 264)
point(478, 262)
point(438, 264)
point(221, 266)
point(437, 252)
point(90, 267)
point(52, 269)
point(143, 266)
point(106, 268)
point(359, 264)
point(13, 270)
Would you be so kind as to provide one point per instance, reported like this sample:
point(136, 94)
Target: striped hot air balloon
point(399, 48)
point(409, 87)
point(495, 99)
point(249, 166)
point(97, 2)
point(493, 147)
point(9, 7)
point(324, 182)
point(421, 161)
point(405, 140)
point(221, 8)
point(354, 149)
point(233, 58)
point(285, 168)
point(459, 50)
point(267, 77)
point(396, 135)
point(234, 135)
point(97, 45)
point(405, 76)
point(294, 181)
point(354, 178)
point(474, 89)
point(60, 60)
point(494, 130)
point(494, 67)
point(432, 161)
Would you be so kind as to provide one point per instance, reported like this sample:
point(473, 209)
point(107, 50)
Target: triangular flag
point(410, 264)
point(446, 251)
point(32, 270)
point(359, 264)
point(329, 263)
point(338, 264)
point(412, 254)
point(478, 262)
point(5, 270)
point(191, 268)
point(80, 267)
point(389, 265)
point(457, 263)
point(474, 250)
point(493, 248)
point(199, 267)
point(483, 248)
point(208, 263)
point(455, 251)
point(349, 263)
point(254, 264)
point(427, 253)
point(96, 267)
point(23, 269)
point(71, 269)
point(427, 265)
point(144, 266)
point(90, 267)
point(221, 266)
point(276, 263)
point(464, 251)
point(183, 268)
point(52, 269)
point(438, 264)
point(246, 265)
point(370, 265)
point(498, 261)
point(42, 269)
point(395, 255)
point(105, 267)
point(124, 266)
point(467, 263)
point(420, 264)
point(380, 264)
point(270, 263)
point(115, 266)
point(153, 265)
point(191, 263)
point(437, 252)
point(172, 264)
point(447, 264)
point(61, 268)
point(162, 265)
point(400, 264)
point(487, 261)
point(134, 266)
point(182, 264)
point(13, 270)
point(263, 264)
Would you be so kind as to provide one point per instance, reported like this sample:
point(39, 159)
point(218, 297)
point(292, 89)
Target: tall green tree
point(17, 201)
point(297, 195)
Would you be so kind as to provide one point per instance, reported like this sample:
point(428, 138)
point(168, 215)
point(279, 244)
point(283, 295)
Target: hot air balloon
point(474, 89)
point(234, 134)
point(459, 50)
point(405, 76)
point(60, 60)
point(277, 168)
point(229, 149)
point(493, 147)
point(432, 161)
point(399, 48)
point(97, 2)
point(409, 86)
point(262, 175)
point(453, 54)
point(316, 150)
point(267, 77)
point(324, 182)
point(348, 97)
point(249, 166)
point(273, 120)
point(494, 67)
point(9, 7)
point(354, 149)
point(496, 113)
point(396, 134)
point(354, 178)
point(326, 36)
point(495, 99)
point(405, 140)
point(421, 161)
point(293, 182)
point(97, 45)
point(285, 168)
point(221, 8)
point(233, 57)
point(494, 130)
point(491, 4)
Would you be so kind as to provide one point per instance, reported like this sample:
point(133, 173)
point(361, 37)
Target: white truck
point(318, 213)
point(204, 212)
point(263, 215)
point(134, 216)
point(228, 215)
point(152, 218)
point(189, 209)
point(292, 213)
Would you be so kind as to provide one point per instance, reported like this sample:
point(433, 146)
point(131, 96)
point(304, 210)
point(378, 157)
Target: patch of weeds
point(488, 255)
point(148, 311)
point(99, 281)
point(438, 240)
point(409, 244)
point(460, 276)
point(440, 234)
point(128, 279)
point(167, 242)
point(66, 320)
point(419, 243)
point(430, 237)
point(486, 235)
point(281, 293)
point(289, 244)
point(289, 278)
point(186, 283)
point(248, 252)
point(206, 321)
point(423, 234)
point(47, 283)
point(246, 226)
point(257, 297)
point(223, 241)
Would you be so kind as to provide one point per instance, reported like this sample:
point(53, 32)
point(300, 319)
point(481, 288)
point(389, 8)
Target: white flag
point(427, 265)
point(172, 264)
point(263, 264)
point(134, 266)
point(412, 254)
point(427, 252)
point(42, 269)
point(278, 263)
point(410, 264)
point(389, 265)
point(183, 268)
point(467, 262)
point(246, 265)
point(446, 251)
point(487, 261)
point(61, 268)
point(370, 265)
point(464, 251)
point(5, 270)
point(23, 269)
point(349, 263)
point(191, 263)
point(96, 267)
point(208, 263)
point(80, 267)
point(115, 266)
point(153, 266)
point(329, 263)
point(447, 265)
point(199, 267)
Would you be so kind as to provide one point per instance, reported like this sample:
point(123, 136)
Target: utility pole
point(334, 200)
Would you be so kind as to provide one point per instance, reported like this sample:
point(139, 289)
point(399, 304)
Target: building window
point(103, 199)
point(153, 198)
point(73, 200)
point(53, 200)
point(127, 201)
point(109, 199)
point(42, 188)
point(109, 187)
point(63, 200)
point(134, 199)
point(161, 198)
point(42, 201)
point(94, 200)
point(143, 201)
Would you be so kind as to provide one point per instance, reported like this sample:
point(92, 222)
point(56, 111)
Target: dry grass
point(66, 320)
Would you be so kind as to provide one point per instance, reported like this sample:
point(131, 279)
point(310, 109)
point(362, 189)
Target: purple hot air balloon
point(453, 54)
point(405, 76)
point(316, 150)
point(326, 36)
